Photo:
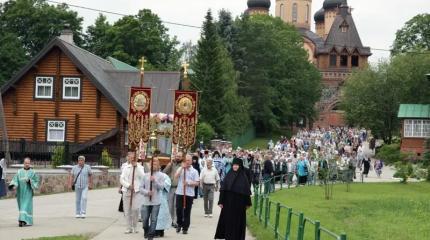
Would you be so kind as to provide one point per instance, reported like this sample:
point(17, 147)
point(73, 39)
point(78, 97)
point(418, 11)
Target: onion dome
point(329, 4)
point(259, 4)
point(319, 15)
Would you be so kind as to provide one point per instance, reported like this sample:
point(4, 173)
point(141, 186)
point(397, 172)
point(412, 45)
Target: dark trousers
point(183, 215)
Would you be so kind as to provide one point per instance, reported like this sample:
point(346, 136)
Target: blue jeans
point(149, 212)
point(81, 200)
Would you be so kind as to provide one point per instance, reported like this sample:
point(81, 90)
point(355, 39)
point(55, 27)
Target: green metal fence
point(272, 214)
point(245, 138)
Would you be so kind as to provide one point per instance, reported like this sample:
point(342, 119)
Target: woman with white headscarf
point(2, 176)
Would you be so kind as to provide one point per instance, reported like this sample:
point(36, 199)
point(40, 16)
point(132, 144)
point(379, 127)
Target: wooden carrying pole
point(132, 190)
point(150, 182)
point(184, 182)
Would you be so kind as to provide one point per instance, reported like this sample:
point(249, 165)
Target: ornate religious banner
point(138, 116)
point(185, 118)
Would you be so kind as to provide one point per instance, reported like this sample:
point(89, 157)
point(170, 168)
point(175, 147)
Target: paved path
point(54, 216)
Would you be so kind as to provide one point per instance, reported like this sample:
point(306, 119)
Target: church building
point(335, 47)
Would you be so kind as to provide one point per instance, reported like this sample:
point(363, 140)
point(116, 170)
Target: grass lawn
point(261, 142)
point(72, 237)
point(376, 211)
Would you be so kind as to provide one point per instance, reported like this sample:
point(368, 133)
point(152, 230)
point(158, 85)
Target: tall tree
point(274, 72)
point(226, 29)
point(414, 36)
point(220, 105)
point(132, 37)
point(371, 97)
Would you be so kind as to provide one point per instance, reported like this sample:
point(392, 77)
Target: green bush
point(426, 158)
point(205, 133)
point(106, 158)
point(57, 157)
point(404, 170)
point(390, 154)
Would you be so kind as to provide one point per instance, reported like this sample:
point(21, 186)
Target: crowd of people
point(161, 197)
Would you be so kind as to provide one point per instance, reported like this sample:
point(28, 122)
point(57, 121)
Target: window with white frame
point(56, 131)
point(416, 128)
point(71, 88)
point(44, 87)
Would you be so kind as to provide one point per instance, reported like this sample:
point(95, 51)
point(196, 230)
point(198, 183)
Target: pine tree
point(216, 78)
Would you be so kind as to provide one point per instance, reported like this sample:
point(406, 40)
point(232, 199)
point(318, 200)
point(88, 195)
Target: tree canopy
point(132, 37)
point(274, 72)
point(414, 36)
point(26, 26)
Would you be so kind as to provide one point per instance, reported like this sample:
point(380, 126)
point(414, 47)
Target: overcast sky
point(377, 20)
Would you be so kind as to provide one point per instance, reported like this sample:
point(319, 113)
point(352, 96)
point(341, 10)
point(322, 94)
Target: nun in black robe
point(235, 198)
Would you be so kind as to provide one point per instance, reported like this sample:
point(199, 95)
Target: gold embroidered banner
point(138, 116)
point(185, 118)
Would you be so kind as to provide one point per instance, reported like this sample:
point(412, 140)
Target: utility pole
point(5, 138)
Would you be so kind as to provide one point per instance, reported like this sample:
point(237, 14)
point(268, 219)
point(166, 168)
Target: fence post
point(282, 179)
point(266, 212)
point(317, 230)
point(255, 202)
point(288, 230)
point(343, 236)
point(261, 208)
point(300, 230)
point(278, 212)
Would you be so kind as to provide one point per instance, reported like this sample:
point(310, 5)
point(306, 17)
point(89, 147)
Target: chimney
point(67, 34)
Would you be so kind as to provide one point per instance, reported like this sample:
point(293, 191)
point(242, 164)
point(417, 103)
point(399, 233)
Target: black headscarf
point(195, 163)
point(236, 181)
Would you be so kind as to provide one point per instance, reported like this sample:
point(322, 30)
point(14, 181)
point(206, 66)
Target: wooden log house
point(67, 94)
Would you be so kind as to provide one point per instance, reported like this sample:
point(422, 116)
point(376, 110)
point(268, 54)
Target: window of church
point(333, 60)
point(295, 12)
point(281, 11)
point(355, 61)
point(307, 13)
point(344, 60)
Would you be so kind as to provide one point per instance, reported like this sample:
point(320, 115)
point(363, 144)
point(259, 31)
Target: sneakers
point(128, 231)
point(78, 216)
point(206, 215)
point(135, 230)
point(184, 231)
point(210, 215)
point(83, 216)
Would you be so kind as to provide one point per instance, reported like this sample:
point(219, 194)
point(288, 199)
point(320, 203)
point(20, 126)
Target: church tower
point(296, 12)
point(258, 7)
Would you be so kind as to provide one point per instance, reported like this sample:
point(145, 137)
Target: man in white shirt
point(188, 179)
point(209, 182)
point(131, 179)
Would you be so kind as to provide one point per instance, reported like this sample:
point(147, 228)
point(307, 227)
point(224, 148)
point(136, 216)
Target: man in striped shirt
point(81, 178)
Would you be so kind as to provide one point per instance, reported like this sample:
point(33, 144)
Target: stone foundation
point(56, 180)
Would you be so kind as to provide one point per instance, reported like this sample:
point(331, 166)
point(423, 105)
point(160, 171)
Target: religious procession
point(252, 120)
